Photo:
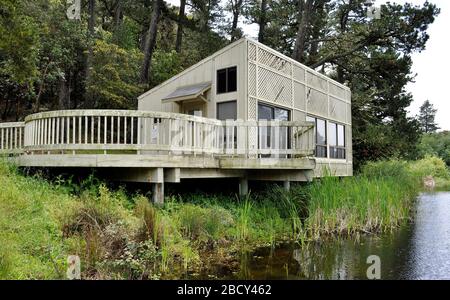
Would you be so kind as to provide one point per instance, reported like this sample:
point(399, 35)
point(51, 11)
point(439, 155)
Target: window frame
point(227, 85)
point(338, 151)
point(323, 146)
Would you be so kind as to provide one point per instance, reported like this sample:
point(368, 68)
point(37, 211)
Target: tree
point(426, 117)
point(436, 144)
point(181, 17)
point(235, 6)
point(150, 42)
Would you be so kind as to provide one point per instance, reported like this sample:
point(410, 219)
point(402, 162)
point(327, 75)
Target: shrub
point(430, 165)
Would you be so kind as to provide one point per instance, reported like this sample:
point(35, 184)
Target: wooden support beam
point(243, 186)
point(158, 193)
point(172, 175)
point(286, 185)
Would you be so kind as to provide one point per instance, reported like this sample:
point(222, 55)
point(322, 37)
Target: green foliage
point(426, 117)
point(118, 236)
point(114, 76)
point(166, 64)
point(18, 42)
point(436, 144)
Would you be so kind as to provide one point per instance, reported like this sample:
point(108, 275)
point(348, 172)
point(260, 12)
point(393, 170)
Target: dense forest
point(119, 48)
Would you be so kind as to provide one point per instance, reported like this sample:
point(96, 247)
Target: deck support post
point(243, 186)
point(158, 193)
point(286, 185)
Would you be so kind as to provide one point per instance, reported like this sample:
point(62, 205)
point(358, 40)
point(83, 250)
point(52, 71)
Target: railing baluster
point(92, 129)
point(99, 123)
point(112, 130)
point(132, 130)
point(125, 135)
point(118, 130)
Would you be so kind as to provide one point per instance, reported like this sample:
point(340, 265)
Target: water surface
point(419, 250)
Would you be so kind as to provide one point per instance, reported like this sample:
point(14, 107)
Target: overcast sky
point(431, 66)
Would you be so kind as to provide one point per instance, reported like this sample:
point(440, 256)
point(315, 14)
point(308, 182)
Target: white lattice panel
point(274, 87)
point(299, 96)
point(251, 51)
point(337, 109)
point(274, 61)
point(252, 108)
point(317, 103)
point(317, 82)
point(252, 79)
point(337, 91)
point(299, 73)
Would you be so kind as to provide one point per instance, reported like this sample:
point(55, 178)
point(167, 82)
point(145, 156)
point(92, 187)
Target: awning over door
point(188, 92)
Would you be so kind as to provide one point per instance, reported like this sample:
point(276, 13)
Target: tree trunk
point(150, 42)
point(64, 94)
point(118, 15)
point(236, 9)
point(305, 10)
point(262, 21)
point(91, 32)
point(180, 26)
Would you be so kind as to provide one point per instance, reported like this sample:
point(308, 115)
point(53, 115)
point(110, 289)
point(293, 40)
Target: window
point(227, 80)
point(337, 140)
point(267, 134)
point(227, 110)
point(321, 136)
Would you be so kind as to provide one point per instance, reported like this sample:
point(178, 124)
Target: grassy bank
point(118, 235)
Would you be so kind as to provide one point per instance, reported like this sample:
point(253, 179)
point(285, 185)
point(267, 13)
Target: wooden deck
point(162, 147)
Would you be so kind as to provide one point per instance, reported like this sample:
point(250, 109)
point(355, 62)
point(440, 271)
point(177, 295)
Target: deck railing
point(145, 132)
point(11, 137)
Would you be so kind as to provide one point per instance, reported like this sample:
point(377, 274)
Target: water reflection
point(420, 250)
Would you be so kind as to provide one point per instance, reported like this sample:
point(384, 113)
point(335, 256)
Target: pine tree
point(426, 117)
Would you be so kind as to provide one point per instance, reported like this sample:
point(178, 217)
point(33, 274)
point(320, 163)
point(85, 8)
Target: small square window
point(227, 80)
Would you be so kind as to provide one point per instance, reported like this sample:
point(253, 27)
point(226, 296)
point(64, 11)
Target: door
point(270, 137)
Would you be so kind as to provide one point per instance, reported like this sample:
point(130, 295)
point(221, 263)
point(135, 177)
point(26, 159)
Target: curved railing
point(146, 132)
point(11, 137)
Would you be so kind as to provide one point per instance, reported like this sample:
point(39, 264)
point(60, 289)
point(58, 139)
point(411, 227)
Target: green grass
point(120, 236)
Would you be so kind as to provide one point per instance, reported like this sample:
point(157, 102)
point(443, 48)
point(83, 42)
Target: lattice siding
point(337, 91)
point(274, 87)
point(252, 52)
point(317, 82)
point(271, 60)
point(252, 79)
point(252, 108)
point(337, 109)
point(317, 103)
point(299, 73)
point(299, 96)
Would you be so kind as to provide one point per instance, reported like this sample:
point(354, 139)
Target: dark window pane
point(281, 114)
point(232, 79)
point(321, 151)
point(321, 132)
point(221, 81)
point(227, 111)
point(265, 112)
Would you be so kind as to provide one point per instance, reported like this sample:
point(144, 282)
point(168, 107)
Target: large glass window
point(227, 80)
point(267, 135)
point(321, 136)
point(336, 133)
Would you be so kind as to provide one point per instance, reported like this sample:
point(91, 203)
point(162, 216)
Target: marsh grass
point(118, 235)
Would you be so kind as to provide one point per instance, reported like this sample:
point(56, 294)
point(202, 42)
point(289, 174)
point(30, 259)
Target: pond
point(419, 250)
